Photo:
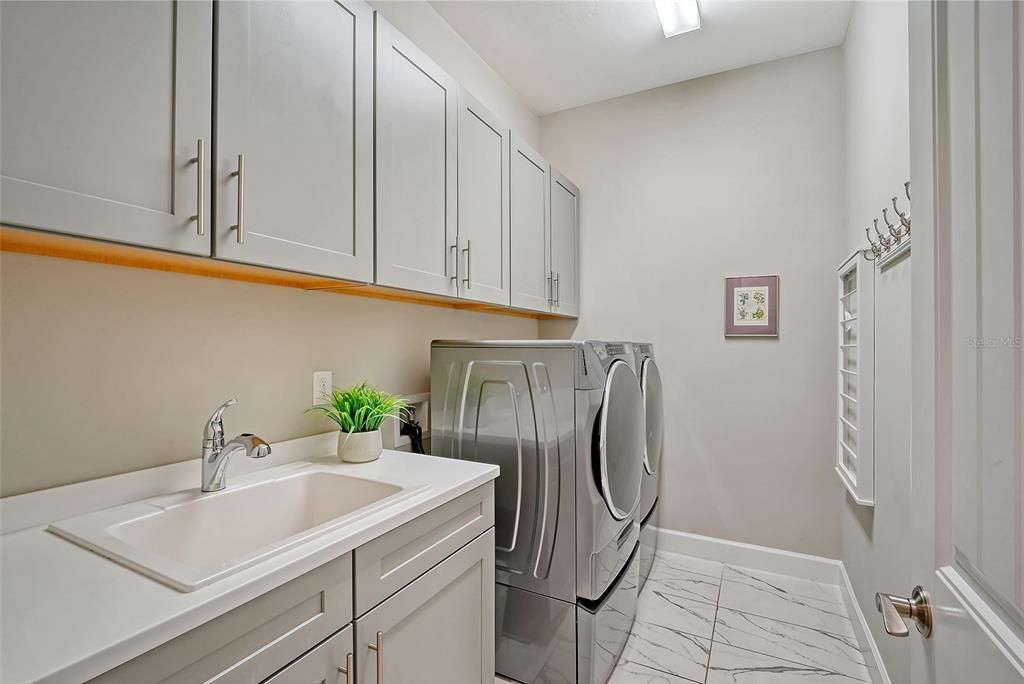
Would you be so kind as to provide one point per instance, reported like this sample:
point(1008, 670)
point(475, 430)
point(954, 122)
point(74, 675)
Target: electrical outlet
point(323, 383)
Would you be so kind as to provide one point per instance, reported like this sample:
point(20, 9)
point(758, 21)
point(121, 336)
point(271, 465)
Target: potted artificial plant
point(359, 411)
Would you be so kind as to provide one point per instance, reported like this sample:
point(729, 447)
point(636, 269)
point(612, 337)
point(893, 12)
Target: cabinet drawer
point(254, 640)
point(321, 664)
point(388, 563)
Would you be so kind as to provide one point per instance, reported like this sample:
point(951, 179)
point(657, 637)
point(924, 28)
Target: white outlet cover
point(323, 383)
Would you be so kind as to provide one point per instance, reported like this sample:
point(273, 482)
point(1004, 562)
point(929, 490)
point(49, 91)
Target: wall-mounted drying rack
point(895, 240)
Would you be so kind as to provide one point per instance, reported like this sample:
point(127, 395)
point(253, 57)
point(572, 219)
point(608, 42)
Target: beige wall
point(874, 540)
point(105, 369)
point(734, 174)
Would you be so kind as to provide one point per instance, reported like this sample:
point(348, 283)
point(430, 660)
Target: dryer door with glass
point(654, 414)
point(619, 449)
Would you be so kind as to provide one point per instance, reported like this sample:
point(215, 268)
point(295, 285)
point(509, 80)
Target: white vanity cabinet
point(293, 175)
point(426, 586)
point(417, 133)
point(105, 108)
point(565, 245)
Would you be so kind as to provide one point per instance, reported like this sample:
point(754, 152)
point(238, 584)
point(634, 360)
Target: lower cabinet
point(440, 628)
point(331, 662)
point(422, 598)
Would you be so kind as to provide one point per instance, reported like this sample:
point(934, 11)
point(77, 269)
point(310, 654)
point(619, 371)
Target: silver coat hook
point(876, 249)
point(904, 219)
point(893, 231)
point(906, 189)
point(881, 238)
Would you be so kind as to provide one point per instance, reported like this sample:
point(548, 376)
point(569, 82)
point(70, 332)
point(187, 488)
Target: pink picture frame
point(752, 306)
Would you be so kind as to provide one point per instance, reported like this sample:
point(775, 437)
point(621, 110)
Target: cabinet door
point(530, 223)
point(565, 245)
point(440, 628)
point(295, 136)
point(322, 665)
point(483, 204)
point(104, 105)
point(417, 126)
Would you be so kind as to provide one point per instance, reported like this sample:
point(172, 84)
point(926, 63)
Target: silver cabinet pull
point(379, 648)
point(453, 250)
point(895, 609)
point(549, 290)
point(240, 226)
point(200, 161)
point(556, 295)
point(469, 277)
point(347, 670)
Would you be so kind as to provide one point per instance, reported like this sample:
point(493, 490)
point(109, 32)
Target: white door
point(565, 245)
point(530, 220)
point(483, 204)
point(417, 128)
point(104, 105)
point(967, 150)
point(295, 109)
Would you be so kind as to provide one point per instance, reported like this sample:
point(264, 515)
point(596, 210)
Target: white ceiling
point(559, 54)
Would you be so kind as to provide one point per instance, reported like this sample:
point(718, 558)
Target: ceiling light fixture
point(678, 16)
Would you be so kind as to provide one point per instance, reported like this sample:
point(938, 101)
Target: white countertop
point(67, 615)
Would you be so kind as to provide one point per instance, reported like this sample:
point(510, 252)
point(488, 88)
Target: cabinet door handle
point(453, 251)
point(347, 670)
point(469, 277)
point(240, 226)
point(200, 161)
point(557, 288)
point(379, 648)
point(550, 290)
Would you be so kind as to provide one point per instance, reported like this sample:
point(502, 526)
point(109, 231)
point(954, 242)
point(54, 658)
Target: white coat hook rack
point(895, 240)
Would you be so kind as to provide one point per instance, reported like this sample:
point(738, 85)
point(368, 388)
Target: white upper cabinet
point(294, 168)
point(104, 105)
point(565, 245)
point(417, 129)
point(483, 266)
point(530, 215)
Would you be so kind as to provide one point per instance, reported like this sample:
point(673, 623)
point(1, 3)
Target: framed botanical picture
point(752, 306)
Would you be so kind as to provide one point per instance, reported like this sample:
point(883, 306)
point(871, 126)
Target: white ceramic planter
point(360, 447)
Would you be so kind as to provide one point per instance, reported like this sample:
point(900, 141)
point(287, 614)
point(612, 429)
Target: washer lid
point(654, 415)
point(620, 441)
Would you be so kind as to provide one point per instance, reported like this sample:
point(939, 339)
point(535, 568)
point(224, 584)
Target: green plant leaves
point(361, 408)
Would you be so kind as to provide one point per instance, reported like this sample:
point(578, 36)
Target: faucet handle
point(214, 429)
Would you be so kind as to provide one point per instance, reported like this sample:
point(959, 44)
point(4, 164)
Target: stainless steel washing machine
point(654, 418)
point(564, 421)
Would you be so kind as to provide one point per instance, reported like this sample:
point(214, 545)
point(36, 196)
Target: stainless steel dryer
point(564, 421)
point(654, 418)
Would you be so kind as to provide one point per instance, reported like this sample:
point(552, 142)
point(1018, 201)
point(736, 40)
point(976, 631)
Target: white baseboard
point(806, 566)
point(816, 568)
point(876, 666)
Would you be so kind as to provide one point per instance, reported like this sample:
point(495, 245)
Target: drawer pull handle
point(200, 161)
point(347, 670)
point(379, 648)
point(240, 226)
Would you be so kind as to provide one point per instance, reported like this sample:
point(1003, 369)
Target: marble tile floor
point(701, 621)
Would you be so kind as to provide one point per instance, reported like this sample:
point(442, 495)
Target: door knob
point(895, 610)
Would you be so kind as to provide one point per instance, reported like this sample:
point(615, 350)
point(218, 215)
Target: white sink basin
point(190, 539)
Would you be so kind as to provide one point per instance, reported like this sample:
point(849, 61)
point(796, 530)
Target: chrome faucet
point(216, 453)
